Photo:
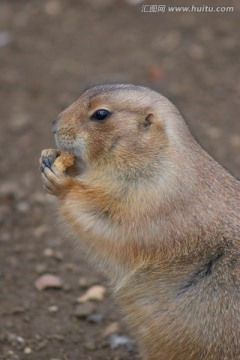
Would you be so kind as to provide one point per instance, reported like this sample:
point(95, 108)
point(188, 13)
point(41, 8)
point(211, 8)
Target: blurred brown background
point(50, 51)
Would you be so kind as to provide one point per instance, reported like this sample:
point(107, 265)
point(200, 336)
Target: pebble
point(48, 252)
point(40, 268)
point(11, 188)
point(14, 357)
point(70, 267)
point(96, 292)
point(95, 318)
point(57, 337)
point(214, 132)
point(87, 282)
point(22, 207)
point(235, 140)
point(40, 231)
point(58, 255)
point(90, 345)
point(117, 341)
point(18, 310)
point(168, 42)
point(67, 288)
point(84, 310)
point(14, 339)
point(48, 281)
point(27, 350)
point(41, 345)
point(111, 329)
point(53, 7)
point(53, 308)
point(196, 52)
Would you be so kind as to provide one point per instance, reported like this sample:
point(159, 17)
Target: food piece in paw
point(64, 161)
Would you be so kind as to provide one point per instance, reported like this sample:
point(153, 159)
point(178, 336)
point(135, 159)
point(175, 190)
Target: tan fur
point(158, 216)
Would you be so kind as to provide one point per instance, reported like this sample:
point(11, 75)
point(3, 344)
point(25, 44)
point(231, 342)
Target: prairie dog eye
point(100, 114)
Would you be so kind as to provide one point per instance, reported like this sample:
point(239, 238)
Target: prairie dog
point(157, 215)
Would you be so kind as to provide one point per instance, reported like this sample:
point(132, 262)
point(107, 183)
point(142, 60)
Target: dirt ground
point(50, 51)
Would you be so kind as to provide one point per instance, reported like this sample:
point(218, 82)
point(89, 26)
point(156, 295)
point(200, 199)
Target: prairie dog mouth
point(75, 149)
point(68, 146)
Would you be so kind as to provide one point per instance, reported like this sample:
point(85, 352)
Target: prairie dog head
point(125, 126)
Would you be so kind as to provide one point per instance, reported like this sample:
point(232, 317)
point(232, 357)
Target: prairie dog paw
point(48, 157)
point(54, 179)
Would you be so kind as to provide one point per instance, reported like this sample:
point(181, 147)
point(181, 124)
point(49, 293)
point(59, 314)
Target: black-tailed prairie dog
point(157, 215)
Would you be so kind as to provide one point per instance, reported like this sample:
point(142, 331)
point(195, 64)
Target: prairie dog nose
point(54, 126)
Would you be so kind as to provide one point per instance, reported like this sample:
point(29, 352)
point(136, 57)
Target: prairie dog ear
point(147, 122)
